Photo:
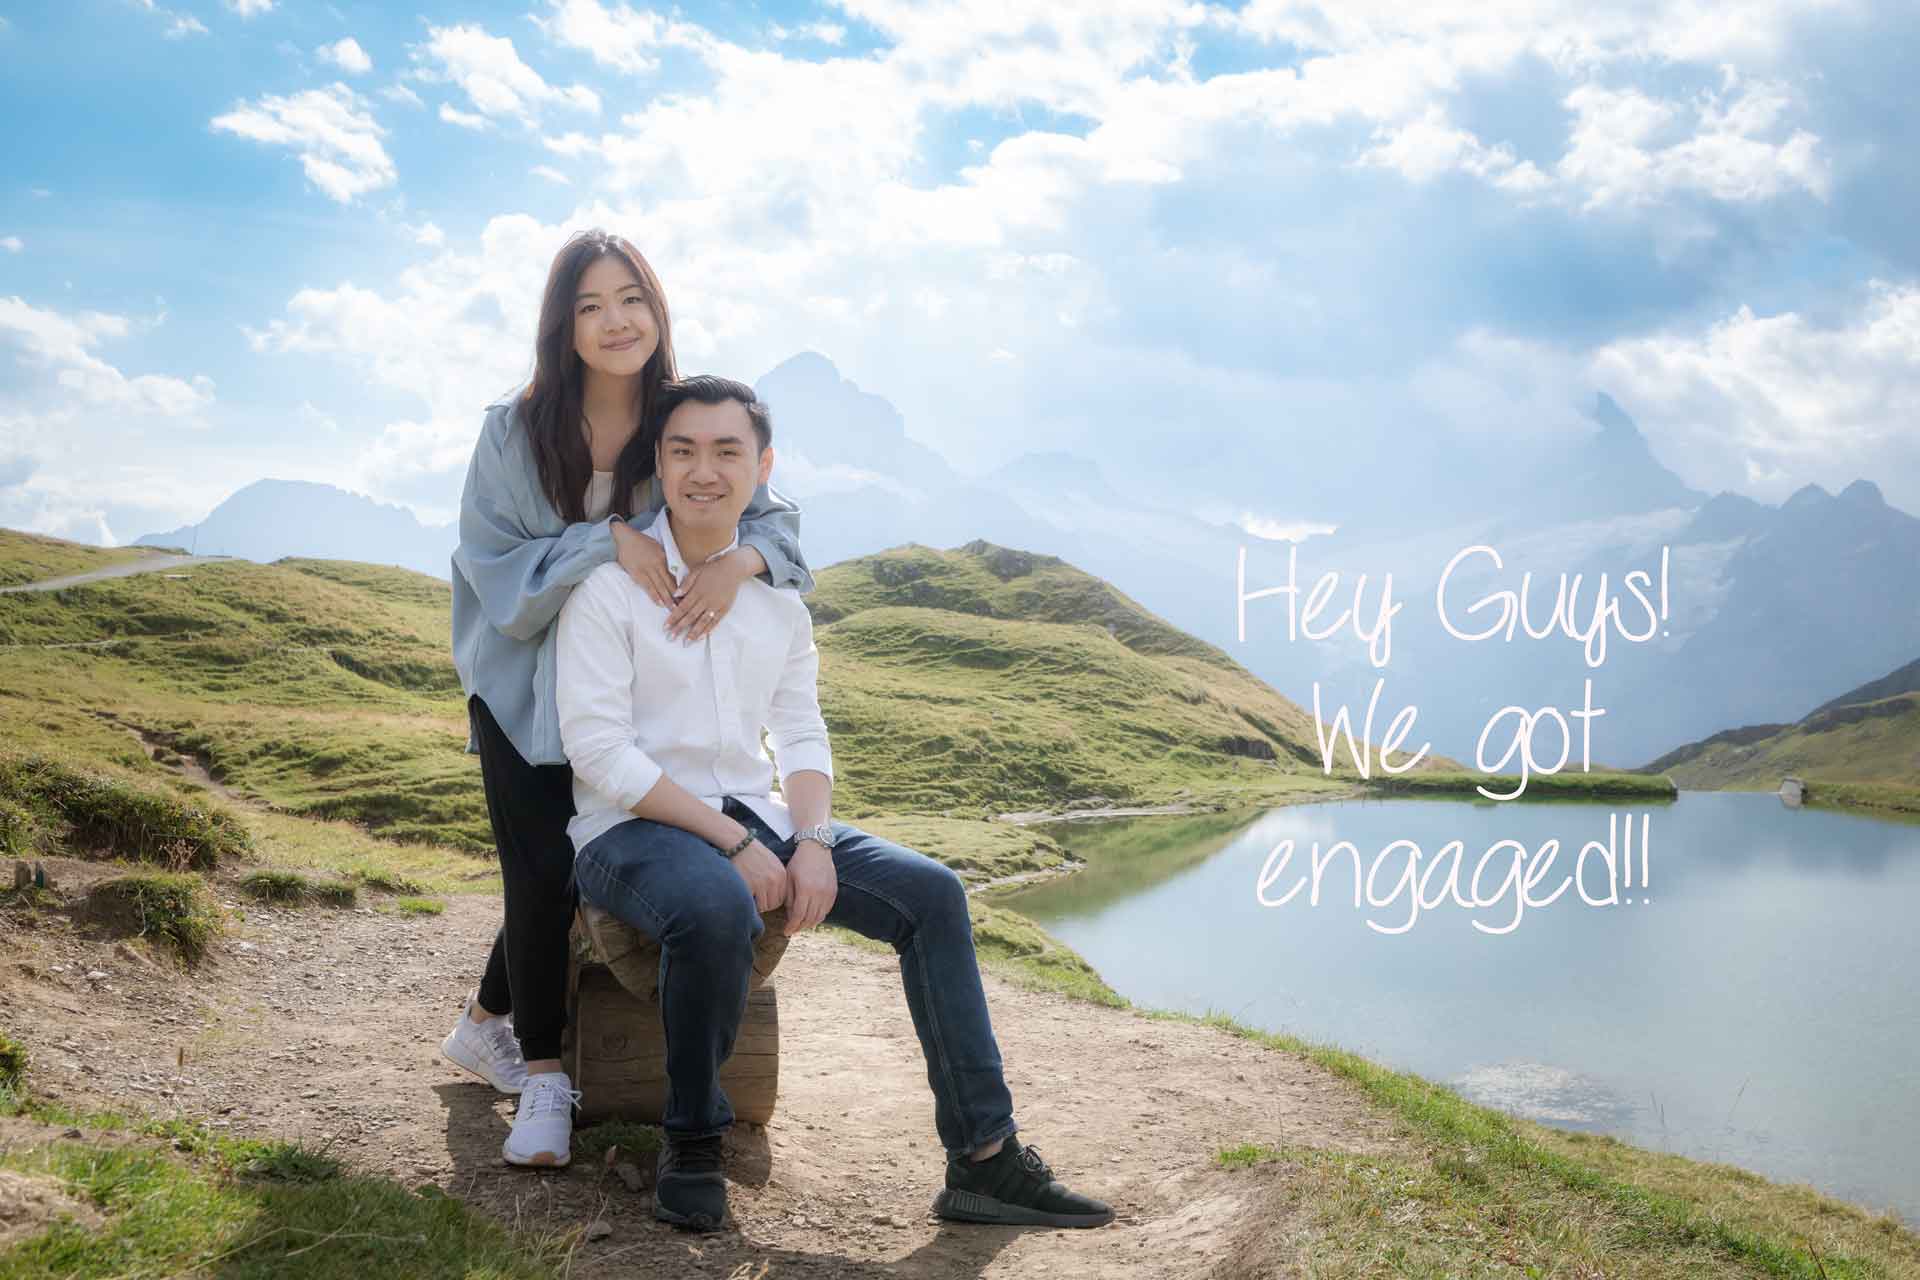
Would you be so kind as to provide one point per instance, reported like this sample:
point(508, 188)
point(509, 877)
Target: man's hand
point(645, 561)
point(812, 884)
point(765, 877)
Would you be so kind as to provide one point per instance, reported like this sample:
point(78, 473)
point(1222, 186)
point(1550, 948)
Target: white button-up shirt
point(635, 705)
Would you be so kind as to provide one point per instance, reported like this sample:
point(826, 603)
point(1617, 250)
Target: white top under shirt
point(599, 499)
point(635, 706)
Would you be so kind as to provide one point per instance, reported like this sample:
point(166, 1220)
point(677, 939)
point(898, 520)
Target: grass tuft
point(634, 1140)
point(291, 1163)
point(13, 1066)
point(174, 908)
point(274, 885)
point(1245, 1156)
point(419, 906)
point(387, 881)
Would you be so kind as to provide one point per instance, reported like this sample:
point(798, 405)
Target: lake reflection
point(1760, 1009)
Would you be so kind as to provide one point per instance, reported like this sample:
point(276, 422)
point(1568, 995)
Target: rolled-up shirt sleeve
point(795, 728)
point(593, 692)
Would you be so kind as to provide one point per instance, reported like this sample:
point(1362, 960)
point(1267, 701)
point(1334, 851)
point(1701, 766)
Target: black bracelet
point(745, 840)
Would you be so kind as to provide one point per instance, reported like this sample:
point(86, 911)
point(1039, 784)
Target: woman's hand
point(709, 592)
point(645, 561)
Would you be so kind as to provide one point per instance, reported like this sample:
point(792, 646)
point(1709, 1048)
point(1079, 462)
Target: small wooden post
point(615, 1047)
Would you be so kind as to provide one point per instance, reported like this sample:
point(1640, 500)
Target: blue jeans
point(676, 887)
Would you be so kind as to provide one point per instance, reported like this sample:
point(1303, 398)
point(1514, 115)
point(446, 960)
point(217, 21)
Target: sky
point(1208, 246)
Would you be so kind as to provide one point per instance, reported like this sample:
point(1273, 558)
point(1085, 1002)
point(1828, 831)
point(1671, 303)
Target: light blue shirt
point(518, 560)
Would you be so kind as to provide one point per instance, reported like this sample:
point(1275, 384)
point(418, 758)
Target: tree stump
point(615, 1046)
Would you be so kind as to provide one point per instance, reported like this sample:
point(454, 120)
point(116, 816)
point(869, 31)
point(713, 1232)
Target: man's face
point(710, 462)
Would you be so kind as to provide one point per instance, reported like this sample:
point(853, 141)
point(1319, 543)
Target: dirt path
point(324, 1026)
point(151, 564)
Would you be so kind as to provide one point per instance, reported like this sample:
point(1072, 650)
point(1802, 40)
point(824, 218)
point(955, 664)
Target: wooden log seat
point(615, 1047)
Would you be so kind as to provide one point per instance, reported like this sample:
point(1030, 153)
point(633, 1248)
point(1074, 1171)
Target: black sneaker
point(1014, 1187)
point(689, 1189)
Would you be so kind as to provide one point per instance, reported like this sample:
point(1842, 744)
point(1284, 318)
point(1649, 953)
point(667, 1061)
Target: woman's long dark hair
point(552, 407)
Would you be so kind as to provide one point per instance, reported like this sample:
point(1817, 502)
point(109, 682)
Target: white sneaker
point(489, 1050)
point(543, 1126)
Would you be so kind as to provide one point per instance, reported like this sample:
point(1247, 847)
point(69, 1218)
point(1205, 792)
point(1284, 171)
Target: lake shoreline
point(1637, 1166)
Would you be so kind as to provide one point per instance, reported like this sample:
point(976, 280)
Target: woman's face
point(613, 326)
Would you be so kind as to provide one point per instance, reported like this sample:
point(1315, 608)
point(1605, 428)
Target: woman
point(557, 471)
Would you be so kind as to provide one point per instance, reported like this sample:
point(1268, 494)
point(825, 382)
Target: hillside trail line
point(150, 564)
point(323, 1026)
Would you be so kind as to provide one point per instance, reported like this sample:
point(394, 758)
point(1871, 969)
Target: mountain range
point(272, 519)
point(1772, 606)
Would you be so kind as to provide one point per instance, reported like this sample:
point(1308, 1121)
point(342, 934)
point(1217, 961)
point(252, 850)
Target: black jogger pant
point(529, 806)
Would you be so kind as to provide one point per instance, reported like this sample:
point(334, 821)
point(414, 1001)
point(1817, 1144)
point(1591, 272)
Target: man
point(678, 834)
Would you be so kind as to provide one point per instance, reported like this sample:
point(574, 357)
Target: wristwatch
point(821, 835)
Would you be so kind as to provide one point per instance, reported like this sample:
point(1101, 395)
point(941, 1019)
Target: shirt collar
point(662, 530)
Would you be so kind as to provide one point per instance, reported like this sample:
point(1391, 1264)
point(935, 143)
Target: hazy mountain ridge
point(272, 519)
point(1773, 606)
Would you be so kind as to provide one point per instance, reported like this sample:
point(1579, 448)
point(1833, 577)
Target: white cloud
point(400, 93)
point(483, 306)
point(824, 32)
point(551, 174)
point(12, 244)
point(63, 344)
point(1275, 530)
point(571, 144)
point(792, 202)
point(1494, 387)
point(1781, 399)
point(250, 8)
point(495, 80)
point(429, 235)
point(1629, 148)
point(312, 417)
point(334, 131)
point(465, 119)
point(346, 54)
point(184, 25)
point(617, 36)
point(798, 474)
point(1423, 149)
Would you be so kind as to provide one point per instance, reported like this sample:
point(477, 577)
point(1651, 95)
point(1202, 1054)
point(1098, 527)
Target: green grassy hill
point(989, 678)
point(30, 557)
point(956, 683)
point(324, 690)
point(1861, 748)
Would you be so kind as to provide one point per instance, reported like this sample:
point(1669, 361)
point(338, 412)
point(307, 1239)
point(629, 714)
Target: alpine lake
point(1750, 995)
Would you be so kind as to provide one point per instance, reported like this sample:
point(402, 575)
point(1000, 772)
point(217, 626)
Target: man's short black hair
point(709, 389)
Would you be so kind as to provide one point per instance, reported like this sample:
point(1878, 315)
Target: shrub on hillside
point(121, 819)
point(19, 830)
